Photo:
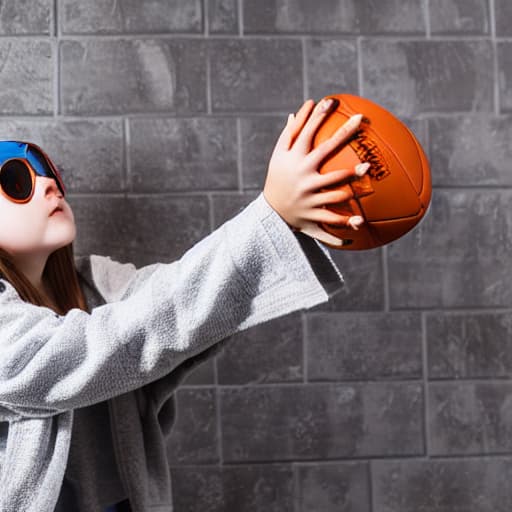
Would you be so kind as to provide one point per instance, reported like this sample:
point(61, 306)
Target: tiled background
point(394, 397)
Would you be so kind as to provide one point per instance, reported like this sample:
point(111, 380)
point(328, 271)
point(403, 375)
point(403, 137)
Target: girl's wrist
point(293, 228)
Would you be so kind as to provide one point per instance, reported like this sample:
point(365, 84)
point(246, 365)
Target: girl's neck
point(32, 266)
point(48, 296)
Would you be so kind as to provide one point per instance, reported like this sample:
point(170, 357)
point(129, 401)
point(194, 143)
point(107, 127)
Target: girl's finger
point(315, 231)
point(343, 133)
point(301, 117)
point(293, 126)
point(318, 181)
point(336, 219)
point(329, 179)
point(285, 139)
point(328, 217)
point(305, 138)
point(332, 196)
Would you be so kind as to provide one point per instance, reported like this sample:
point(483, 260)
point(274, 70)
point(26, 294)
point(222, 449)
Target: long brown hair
point(59, 275)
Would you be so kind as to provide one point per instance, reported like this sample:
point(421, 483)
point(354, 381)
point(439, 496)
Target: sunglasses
point(20, 163)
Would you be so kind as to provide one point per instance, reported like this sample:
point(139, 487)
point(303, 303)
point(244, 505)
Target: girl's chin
point(64, 237)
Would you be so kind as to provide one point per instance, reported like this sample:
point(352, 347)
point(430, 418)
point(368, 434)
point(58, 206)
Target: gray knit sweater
point(121, 361)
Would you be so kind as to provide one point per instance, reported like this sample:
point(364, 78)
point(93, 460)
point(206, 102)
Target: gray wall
point(395, 396)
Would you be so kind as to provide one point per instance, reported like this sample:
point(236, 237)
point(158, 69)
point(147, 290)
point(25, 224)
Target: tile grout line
point(305, 81)
point(495, 62)
point(371, 490)
point(126, 137)
point(240, 19)
point(239, 155)
point(305, 347)
point(56, 62)
point(428, 28)
point(424, 356)
point(296, 486)
point(359, 56)
point(385, 279)
point(206, 20)
point(218, 405)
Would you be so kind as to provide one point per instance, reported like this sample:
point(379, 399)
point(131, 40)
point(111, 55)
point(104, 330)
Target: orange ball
point(395, 192)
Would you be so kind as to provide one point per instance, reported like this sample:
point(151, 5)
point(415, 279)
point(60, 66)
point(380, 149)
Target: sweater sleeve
point(251, 269)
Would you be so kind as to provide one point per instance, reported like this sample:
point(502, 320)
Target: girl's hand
point(292, 186)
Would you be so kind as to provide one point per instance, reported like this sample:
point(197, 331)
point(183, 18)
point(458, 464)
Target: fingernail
point(362, 168)
point(326, 104)
point(355, 221)
point(355, 120)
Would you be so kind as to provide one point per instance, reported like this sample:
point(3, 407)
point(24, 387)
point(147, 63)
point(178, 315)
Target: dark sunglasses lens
point(15, 180)
point(42, 167)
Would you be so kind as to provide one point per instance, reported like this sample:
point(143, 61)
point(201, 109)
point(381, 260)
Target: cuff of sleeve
point(283, 268)
point(321, 263)
point(318, 257)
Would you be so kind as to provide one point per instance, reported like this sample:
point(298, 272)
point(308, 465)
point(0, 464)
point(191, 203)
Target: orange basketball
point(395, 192)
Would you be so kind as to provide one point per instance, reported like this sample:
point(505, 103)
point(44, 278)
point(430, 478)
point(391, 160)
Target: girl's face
point(28, 228)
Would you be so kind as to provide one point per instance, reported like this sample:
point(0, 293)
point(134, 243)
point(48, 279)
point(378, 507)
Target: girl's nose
point(50, 187)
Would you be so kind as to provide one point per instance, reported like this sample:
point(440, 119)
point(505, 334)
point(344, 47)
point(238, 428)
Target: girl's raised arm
point(251, 269)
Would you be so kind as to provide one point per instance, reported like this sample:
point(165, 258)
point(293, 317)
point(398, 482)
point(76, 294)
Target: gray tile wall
point(396, 396)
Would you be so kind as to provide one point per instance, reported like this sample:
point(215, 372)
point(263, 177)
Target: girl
point(91, 349)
